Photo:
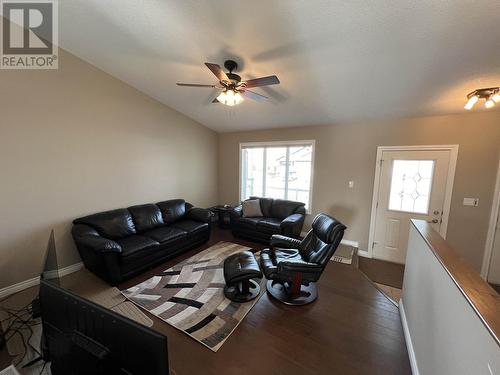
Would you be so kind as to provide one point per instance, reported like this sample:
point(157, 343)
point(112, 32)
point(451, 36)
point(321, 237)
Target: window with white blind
point(277, 170)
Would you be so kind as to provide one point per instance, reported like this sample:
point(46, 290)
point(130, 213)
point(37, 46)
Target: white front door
point(412, 185)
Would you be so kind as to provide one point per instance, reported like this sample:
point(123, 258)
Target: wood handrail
point(481, 296)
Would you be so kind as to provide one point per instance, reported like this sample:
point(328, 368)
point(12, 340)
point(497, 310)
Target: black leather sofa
point(279, 217)
point(118, 244)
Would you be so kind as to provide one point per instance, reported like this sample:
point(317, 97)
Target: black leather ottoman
point(239, 270)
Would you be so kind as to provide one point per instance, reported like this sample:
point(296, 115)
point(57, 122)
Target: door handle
point(434, 221)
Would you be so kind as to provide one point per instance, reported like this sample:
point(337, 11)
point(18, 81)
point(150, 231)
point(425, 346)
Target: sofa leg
point(284, 293)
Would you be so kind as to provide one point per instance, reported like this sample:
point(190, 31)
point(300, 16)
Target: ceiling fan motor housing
point(235, 78)
point(232, 65)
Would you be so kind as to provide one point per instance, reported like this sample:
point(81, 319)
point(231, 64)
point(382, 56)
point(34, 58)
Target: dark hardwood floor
point(382, 272)
point(496, 287)
point(351, 329)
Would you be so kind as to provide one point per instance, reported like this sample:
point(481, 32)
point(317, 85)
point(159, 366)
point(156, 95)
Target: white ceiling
point(338, 61)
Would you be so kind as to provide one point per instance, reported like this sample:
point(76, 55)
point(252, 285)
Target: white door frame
point(490, 238)
point(376, 185)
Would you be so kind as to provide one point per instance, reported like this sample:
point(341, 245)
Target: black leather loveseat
point(118, 244)
point(279, 217)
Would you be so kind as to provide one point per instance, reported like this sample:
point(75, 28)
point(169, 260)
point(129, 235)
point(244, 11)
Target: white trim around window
point(311, 143)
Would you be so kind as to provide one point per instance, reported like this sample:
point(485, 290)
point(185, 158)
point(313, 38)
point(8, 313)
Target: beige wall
point(75, 141)
point(347, 152)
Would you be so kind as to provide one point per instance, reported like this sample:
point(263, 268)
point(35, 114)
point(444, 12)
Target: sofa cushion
point(136, 244)
point(166, 234)
point(251, 208)
point(265, 205)
point(146, 217)
point(113, 224)
point(249, 222)
point(282, 208)
point(269, 224)
point(190, 226)
point(172, 210)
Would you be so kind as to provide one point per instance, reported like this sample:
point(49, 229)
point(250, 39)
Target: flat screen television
point(81, 337)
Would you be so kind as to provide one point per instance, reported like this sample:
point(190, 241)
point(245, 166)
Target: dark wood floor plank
point(382, 272)
point(496, 287)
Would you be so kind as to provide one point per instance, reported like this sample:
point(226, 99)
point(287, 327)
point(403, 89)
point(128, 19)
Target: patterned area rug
point(190, 296)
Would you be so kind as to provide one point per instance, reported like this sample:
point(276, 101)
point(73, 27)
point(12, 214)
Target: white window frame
point(311, 142)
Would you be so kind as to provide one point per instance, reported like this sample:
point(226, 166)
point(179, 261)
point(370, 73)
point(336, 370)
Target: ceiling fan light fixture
point(491, 95)
point(230, 97)
point(470, 103)
point(233, 88)
point(489, 103)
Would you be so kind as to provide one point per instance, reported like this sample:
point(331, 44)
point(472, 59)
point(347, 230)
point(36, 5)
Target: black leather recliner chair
point(279, 217)
point(118, 244)
point(292, 267)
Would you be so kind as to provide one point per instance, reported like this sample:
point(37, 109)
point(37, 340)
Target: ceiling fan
point(233, 89)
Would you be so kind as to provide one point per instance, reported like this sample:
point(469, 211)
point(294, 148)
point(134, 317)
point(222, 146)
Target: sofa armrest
point(236, 212)
point(292, 225)
point(99, 244)
point(81, 230)
point(199, 214)
point(292, 220)
point(87, 237)
point(278, 240)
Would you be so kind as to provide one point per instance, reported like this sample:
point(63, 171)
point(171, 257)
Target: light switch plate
point(473, 202)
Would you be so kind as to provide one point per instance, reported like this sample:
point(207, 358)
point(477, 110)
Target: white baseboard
point(70, 269)
point(364, 253)
point(409, 344)
point(350, 243)
point(11, 289)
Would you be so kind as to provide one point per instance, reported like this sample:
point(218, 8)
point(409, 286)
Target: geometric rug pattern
point(190, 296)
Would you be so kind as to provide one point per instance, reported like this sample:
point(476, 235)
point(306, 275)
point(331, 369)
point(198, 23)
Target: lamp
point(489, 103)
point(491, 95)
point(230, 97)
point(470, 103)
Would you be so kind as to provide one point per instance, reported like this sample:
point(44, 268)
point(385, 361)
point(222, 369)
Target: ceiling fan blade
point(215, 101)
point(219, 73)
point(194, 85)
point(264, 81)
point(254, 96)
